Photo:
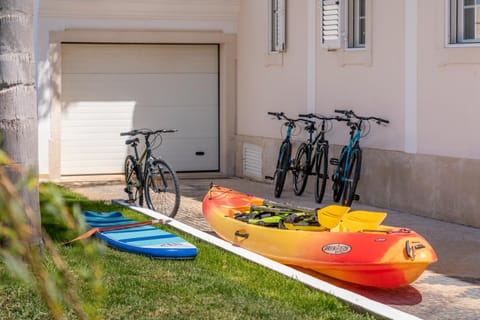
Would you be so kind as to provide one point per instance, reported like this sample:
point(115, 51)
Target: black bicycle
point(149, 176)
point(347, 173)
point(284, 159)
point(312, 156)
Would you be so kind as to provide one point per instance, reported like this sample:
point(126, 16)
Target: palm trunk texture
point(18, 107)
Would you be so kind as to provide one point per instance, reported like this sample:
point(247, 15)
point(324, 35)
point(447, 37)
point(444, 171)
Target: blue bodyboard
point(145, 240)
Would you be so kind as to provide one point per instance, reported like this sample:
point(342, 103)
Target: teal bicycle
point(284, 159)
point(347, 173)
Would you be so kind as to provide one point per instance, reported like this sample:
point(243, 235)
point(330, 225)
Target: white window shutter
point(277, 25)
point(331, 24)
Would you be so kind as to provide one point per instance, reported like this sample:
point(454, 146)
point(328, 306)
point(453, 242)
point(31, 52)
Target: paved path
point(449, 289)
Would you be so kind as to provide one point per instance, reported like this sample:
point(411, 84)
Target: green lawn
point(215, 285)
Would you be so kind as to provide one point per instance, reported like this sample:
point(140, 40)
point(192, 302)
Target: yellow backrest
point(361, 220)
point(330, 216)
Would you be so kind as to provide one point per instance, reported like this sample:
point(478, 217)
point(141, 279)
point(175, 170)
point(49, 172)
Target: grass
point(214, 285)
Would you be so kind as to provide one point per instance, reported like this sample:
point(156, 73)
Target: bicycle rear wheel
point(283, 164)
point(321, 171)
point(337, 177)
point(162, 189)
point(353, 175)
point(300, 169)
point(132, 182)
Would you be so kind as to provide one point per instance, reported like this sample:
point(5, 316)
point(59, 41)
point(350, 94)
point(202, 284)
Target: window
point(356, 23)
point(464, 21)
point(277, 26)
point(353, 31)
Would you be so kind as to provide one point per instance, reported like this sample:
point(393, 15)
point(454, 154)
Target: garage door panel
point(108, 89)
point(80, 111)
point(105, 58)
point(164, 89)
point(184, 119)
point(202, 152)
point(101, 167)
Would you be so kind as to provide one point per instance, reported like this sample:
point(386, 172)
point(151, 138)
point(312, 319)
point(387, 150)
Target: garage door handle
point(199, 153)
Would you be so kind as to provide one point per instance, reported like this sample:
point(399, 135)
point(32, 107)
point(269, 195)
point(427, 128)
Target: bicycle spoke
point(162, 189)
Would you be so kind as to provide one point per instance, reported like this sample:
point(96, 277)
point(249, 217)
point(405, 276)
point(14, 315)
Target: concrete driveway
point(449, 289)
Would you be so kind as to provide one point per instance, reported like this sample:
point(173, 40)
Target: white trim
point(463, 45)
point(411, 95)
point(350, 297)
point(311, 56)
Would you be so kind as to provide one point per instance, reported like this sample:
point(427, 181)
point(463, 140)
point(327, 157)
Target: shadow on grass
point(54, 222)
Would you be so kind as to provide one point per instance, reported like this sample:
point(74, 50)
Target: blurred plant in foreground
point(42, 266)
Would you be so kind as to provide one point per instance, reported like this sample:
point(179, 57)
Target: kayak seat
point(330, 216)
point(361, 221)
point(301, 221)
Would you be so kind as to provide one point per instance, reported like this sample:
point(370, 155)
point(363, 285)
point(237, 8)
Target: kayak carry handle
point(241, 234)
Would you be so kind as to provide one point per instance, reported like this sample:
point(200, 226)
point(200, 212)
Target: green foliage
point(42, 270)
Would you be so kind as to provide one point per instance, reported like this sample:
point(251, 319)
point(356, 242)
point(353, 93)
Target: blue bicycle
point(347, 173)
point(284, 159)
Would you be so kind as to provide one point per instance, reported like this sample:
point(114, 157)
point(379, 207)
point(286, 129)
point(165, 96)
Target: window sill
point(274, 59)
point(460, 54)
point(355, 57)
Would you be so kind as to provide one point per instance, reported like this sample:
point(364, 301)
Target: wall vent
point(252, 160)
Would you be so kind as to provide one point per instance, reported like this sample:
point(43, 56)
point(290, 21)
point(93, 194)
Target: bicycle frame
point(314, 143)
point(355, 136)
point(286, 140)
point(141, 162)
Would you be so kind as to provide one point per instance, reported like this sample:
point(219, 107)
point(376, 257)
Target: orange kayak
point(352, 246)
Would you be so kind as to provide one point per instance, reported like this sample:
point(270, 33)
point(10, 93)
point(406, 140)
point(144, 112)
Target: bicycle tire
point(337, 177)
point(301, 169)
point(283, 164)
point(321, 171)
point(353, 175)
point(133, 185)
point(162, 188)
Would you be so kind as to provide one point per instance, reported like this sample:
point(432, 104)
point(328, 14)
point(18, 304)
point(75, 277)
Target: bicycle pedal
point(269, 178)
point(356, 197)
point(334, 161)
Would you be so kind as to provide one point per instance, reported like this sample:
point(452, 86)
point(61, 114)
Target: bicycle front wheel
point(132, 182)
point(162, 189)
point(321, 170)
point(300, 169)
point(353, 175)
point(283, 164)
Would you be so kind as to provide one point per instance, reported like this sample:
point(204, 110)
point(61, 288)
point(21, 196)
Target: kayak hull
point(389, 257)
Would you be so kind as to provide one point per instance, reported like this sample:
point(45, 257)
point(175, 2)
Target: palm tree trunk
point(18, 107)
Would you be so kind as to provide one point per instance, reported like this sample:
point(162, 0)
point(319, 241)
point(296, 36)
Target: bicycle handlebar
point(351, 113)
point(146, 132)
point(313, 115)
point(281, 115)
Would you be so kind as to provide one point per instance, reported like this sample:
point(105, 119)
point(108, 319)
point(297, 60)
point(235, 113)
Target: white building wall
point(270, 82)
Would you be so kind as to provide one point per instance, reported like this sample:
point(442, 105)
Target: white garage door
point(111, 88)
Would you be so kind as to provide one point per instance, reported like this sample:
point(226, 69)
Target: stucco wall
point(269, 82)
point(449, 89)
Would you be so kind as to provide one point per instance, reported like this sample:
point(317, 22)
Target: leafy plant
point(41, 266)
